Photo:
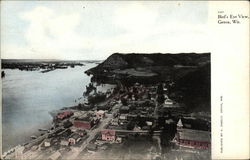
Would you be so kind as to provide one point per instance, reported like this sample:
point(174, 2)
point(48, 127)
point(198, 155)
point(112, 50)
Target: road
point(75, 153)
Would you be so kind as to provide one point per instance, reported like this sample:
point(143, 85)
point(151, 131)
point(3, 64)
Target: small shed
point(47, 143)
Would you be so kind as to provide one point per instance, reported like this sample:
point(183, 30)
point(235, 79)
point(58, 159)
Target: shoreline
point(50, 124)
point(130, 109)
point(47, 126)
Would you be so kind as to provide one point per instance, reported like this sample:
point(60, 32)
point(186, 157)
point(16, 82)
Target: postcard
point(146, 80)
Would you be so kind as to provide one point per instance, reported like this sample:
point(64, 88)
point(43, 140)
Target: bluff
point(189, 72)
point(148, 67)
point(132, 60)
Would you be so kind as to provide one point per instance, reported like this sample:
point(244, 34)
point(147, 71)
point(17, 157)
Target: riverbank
point(128, 112)
point(29, 96)
point(157, 111)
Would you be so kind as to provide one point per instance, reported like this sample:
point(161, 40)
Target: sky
point(84, 30)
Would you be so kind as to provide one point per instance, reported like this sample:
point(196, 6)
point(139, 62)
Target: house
point(100, 114)
point(74, 139)
point(47, 143)
point(168, 101)
point(81, 132)
point(63, 115)
point(149, 123)
point(137, 128)
point(108, 135)
point(123, 117)
point(84, 123)
point(114, 122)
point(118, 140)
point(191, 138)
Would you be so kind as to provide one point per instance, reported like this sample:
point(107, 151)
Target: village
point(131, 122)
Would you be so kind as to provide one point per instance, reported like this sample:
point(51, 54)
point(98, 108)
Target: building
point(63, 115)
point(47, 143)
point(84, 123)
point(149, 123)
point(118, 140)
point(108, 135)
point(81, 132)
point(74, 139)
point(100, 114)
point(168, 102)
point(192, 138)
point(123, 117)
point(114, 122)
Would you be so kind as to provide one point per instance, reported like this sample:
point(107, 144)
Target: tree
point(160, 89)
point(160, 98)
point(124, 101)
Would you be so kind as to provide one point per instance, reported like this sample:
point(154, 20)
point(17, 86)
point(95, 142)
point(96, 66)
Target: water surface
point(28, 96)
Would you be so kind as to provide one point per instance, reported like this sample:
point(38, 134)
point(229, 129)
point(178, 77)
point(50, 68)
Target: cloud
point(50, 34)
point(135, 17)
point(70, 32)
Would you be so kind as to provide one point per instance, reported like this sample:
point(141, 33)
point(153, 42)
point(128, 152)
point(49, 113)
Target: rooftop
point(108, 131)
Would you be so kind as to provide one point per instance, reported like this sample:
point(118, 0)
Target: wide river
point(29, 96)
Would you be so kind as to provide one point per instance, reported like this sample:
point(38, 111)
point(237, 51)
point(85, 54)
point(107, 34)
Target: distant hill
point(134, 60)
point(190, 73)
point(143, 67)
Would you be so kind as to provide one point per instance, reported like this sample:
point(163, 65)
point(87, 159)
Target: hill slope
point(190, 73)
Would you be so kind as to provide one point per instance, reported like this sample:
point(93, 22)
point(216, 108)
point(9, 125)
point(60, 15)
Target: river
point(29, 96)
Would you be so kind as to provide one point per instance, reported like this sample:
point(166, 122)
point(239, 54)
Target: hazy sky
point(94, 30)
